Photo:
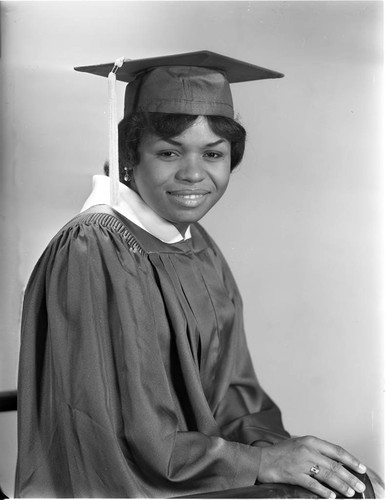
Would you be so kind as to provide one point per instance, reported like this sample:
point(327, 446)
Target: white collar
point(131, 206)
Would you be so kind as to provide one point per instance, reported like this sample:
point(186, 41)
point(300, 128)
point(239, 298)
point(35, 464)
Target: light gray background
point(301, 221)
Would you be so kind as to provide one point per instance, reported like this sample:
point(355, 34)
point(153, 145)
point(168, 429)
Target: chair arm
point(8, 401)
point(280, 491)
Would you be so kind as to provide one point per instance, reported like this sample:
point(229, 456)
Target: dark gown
point(135, 379)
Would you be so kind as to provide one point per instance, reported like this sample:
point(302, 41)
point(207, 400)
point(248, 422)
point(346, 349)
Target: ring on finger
point(314, 470)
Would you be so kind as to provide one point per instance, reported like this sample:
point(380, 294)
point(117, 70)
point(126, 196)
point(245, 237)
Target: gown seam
point(109, 221)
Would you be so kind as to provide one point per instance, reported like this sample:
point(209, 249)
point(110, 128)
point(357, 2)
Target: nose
point(191, 170)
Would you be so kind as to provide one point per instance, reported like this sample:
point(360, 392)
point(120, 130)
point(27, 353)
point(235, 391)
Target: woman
point(135, 377)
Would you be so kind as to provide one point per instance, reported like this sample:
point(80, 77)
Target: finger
point(313, 485)
point(340, 455)
point(339, 479)
point(349, 478)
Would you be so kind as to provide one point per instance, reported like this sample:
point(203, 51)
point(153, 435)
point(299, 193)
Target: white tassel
point(113, 134)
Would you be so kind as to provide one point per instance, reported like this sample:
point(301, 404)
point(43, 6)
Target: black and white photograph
point(192, 271)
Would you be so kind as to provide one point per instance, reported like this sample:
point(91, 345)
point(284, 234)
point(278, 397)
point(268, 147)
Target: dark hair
point(134, 127)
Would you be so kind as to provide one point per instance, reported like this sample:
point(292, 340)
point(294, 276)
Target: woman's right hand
point(291, 461)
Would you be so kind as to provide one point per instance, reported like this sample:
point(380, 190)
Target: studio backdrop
point(301, 222)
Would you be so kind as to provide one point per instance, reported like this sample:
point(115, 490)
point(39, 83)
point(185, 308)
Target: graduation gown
point(135, 378)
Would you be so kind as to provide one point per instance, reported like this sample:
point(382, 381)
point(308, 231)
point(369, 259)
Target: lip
point(187, 192)
point(189, 198)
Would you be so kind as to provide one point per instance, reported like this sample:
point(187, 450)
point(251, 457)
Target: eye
point(167, 155)
point(213, 155)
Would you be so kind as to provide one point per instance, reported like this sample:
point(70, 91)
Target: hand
point(290, 462)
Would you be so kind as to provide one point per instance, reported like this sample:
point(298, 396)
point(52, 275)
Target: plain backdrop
point(301, 223)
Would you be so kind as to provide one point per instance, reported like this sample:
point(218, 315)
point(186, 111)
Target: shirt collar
point(131, 206)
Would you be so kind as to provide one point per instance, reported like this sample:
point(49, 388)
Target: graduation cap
point(192, 83)
point(195, 83)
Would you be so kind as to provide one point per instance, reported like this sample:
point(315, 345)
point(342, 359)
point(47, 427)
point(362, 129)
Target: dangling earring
point(126, 176)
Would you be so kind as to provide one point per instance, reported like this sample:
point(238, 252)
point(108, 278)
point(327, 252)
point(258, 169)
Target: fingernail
point(350, 492)
point(360, 487)
point(332, 495)
point(362, 468)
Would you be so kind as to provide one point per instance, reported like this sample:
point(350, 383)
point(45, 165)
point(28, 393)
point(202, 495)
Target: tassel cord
point(113, 134)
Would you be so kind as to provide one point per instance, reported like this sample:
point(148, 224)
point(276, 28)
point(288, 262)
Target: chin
point(189, 220)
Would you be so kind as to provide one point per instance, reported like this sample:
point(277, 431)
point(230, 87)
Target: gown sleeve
point(96, 414)
point(246, 413)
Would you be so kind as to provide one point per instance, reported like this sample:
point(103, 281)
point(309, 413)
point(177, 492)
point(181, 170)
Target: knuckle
point(305, 445)
point(353, 481)
point(340, 451)
point(329, 476)
point(303, 450)
point(343, 488)
point(308, 439)
point(311, 484)
point(336, 467)
point(297, 441)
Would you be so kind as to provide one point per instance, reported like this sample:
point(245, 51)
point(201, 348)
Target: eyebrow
point(209, 145)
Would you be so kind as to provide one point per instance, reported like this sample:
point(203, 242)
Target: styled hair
point(134, 127)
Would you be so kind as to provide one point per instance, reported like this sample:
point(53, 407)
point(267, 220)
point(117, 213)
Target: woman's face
point(183, 177)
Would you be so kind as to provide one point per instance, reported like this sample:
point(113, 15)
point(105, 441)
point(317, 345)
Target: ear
point(131, 182)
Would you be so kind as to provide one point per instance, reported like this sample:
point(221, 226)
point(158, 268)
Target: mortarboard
point(192, 83)
point(195, 83)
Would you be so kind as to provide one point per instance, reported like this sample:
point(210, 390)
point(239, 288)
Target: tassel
point(113, 134)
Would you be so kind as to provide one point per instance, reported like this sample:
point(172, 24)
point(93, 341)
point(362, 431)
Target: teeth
point(190, 196)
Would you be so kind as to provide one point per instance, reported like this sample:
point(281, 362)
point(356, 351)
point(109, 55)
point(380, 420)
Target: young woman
point(135, 377)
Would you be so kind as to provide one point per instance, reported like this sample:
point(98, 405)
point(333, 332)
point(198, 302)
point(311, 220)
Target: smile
point(190, 199)
point(189, 196)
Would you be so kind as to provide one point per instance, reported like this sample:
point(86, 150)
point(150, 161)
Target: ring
point(314, 470)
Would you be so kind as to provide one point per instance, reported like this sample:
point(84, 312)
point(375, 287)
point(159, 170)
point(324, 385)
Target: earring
point(127, 176)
